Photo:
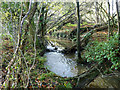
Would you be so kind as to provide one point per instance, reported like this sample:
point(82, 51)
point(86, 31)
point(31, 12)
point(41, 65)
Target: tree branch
point(17, 48)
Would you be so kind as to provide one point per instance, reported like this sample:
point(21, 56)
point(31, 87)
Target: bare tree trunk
point(118, 21)
point(78, 32)
point(108, 19)
point(112, 18)
point(112, 6)
point(97, 11)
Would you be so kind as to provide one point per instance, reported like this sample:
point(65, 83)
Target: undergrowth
point(101, 52)
point(40, 77)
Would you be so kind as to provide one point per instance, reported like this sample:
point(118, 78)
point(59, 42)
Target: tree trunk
point(78, 32)
point(112, 18)
point(108, 19)
point(97, 11)
point(118, 21)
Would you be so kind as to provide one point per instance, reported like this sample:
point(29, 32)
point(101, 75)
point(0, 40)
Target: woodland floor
point(40, 77)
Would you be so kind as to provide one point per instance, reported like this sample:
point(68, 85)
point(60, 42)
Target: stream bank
point(65, 65)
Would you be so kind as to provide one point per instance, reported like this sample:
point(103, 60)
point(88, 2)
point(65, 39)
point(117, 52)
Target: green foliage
point(60, 86)
point(74, 39)
point(101, 51)
point(67, 85)
point(46, 75)
point(69, 24)
point(10, 8)
point(86, 23)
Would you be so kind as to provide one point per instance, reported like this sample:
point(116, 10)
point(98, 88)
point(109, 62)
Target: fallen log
point(88, 28)
point(84, 40)
point(87, 77)
point(102, 28)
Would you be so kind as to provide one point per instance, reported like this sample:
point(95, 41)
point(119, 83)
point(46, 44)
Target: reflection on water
point(61, 65)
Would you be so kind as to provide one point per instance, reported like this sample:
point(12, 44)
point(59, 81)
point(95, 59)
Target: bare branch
point(18, 45)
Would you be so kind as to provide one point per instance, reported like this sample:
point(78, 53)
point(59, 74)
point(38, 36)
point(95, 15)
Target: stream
point(65, 65)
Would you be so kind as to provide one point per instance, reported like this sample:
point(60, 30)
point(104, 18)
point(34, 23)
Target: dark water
point(66, 66)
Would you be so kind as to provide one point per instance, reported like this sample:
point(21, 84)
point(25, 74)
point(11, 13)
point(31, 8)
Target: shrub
point(101, 51)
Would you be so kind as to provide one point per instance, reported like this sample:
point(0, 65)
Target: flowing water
point(61, 64)
point(66, 66)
